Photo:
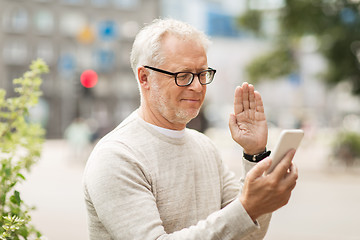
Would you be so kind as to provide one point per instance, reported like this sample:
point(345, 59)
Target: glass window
point(266, 4)
point(15, 52)
point(100, 3)
point(44, 21)
point(221, 24)
point(45, 51)
point(66, 64)
point(16, 19)
point(105, 59)
point(73, 2)
point(71, 24)
point(126, 4)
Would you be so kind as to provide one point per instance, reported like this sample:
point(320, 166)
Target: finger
point(245, 97)
point(292, 175)
point(282, 168)
point(259, 102)
point(252, 97)
point(293, 168)
point(259, 169)
point(290, 184)
point(238, 105)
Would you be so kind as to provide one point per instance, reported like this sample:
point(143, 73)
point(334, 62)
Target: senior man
point(153, 178)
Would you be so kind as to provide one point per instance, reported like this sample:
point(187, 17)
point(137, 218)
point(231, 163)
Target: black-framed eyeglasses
point(183, 79)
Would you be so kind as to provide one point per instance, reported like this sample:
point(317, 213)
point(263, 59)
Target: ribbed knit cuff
point(240, 223)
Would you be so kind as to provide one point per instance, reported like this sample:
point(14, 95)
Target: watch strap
point(258, 157)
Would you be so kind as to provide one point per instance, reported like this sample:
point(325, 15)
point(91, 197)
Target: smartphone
point(289, 139)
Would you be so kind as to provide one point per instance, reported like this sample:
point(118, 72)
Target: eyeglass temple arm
point(159, 70)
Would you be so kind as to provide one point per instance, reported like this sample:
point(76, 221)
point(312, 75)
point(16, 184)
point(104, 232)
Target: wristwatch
point(258, 157)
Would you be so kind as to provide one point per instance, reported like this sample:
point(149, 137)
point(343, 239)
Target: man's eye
point(183, 76)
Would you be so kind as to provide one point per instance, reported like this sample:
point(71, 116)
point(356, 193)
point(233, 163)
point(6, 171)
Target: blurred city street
point(308, 76)
point(324, 205)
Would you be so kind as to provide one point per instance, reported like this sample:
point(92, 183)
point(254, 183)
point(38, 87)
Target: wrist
point(254, 151)
point(247, 208)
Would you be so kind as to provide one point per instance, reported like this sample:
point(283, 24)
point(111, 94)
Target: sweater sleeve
point(232, 189)
point(262, 221)
point(119, 190)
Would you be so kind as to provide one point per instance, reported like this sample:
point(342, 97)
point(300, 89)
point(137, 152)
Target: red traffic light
point(89, 78)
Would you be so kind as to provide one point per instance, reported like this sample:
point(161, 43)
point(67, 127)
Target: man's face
point(178, 105)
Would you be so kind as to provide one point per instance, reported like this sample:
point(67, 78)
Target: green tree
point(334, 23)
point(20, 147)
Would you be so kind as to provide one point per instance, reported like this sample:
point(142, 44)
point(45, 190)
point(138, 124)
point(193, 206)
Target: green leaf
point(8, 135)
point(3, 199)
point(16, 198)
point(23, 231)
point(13, 184)
point(7, 172)
point(21, 176)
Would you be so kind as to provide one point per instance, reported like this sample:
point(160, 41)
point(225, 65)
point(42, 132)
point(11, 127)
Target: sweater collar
point(168, 132)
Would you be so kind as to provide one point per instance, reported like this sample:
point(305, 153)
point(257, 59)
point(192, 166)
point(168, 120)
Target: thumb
point(259, 169)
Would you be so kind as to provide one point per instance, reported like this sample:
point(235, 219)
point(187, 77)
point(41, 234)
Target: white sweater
point(141, 184)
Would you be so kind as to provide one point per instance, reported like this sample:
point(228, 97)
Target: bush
point(347, 147)
point(20, 148)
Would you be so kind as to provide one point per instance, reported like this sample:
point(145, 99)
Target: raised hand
point(248, 124)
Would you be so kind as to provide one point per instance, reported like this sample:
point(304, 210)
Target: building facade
point(73, 36)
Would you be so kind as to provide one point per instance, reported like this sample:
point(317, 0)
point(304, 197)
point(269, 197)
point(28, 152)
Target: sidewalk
point(324, 204)
point(55, 188)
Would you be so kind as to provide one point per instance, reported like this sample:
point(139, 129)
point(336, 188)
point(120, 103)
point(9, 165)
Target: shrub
point(20, 148)
point(347, 147)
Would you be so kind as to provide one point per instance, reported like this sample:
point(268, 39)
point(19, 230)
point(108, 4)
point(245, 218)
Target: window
point(16, 19)
point(105, 60)
point(100, 3)
point(126, 4)
point(44, 22)
point(66, 64)
point(266, 4)
point(73, 2)
point(43, 0)
point(71, 24)
point(15, 52)
point(45, 51)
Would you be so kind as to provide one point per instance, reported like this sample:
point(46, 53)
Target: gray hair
point(147, 44)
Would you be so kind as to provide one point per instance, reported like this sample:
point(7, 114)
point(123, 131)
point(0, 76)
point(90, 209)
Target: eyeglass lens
point(183, 79)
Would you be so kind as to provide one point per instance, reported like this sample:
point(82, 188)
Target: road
point(324, 205)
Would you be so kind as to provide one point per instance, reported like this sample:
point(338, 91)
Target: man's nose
point(196, 85)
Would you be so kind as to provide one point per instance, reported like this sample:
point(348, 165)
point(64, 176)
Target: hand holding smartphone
point(289, 139)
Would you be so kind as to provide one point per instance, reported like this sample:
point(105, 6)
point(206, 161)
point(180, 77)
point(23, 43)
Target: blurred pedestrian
point(78, 137)
point(153, 178)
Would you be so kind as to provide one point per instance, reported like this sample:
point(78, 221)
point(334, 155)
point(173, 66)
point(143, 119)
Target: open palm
point(248, 124)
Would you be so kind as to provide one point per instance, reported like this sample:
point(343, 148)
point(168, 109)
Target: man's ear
point(143, 75)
